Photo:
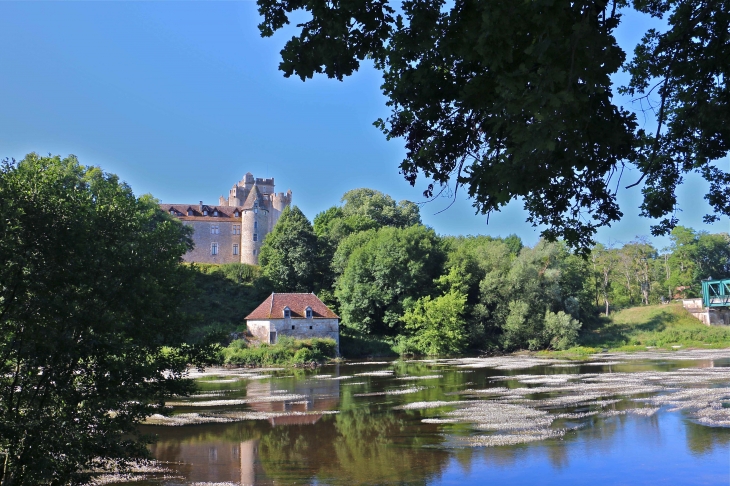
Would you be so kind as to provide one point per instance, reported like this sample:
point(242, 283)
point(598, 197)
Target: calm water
point(621, 419)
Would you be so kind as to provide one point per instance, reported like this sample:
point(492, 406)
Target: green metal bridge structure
point(716, 293)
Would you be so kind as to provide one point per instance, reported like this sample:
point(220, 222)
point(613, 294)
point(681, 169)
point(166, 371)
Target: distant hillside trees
point(395, 281)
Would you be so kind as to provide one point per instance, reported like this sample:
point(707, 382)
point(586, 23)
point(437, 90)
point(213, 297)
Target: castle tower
point(278, 203)
point(254, 226)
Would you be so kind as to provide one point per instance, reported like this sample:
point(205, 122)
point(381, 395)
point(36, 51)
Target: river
point(630, 419)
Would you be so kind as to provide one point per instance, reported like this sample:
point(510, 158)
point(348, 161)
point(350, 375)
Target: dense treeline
point(395, 281)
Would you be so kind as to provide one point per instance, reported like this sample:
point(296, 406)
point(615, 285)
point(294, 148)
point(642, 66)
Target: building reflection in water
point(210, 453)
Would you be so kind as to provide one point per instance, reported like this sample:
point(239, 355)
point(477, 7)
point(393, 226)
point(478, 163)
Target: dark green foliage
point(91, 332)
point(362, 210)
point(286, 351)
point(289, 257)
point(514, 99)
point(681, 75)
point(354, 344)
point(223, 296)
point(391, 268)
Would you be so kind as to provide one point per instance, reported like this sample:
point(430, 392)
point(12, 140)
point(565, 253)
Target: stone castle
point(233, 231)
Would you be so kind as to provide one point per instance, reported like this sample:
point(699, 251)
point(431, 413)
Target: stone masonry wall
point(296, 328)
point(203, 239)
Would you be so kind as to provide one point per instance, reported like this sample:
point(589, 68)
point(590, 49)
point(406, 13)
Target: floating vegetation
point(279, 397)
point(225, 417)
point(135, 471)
point(376, 373)
point(521, 437)
point(391, 392)
point(434, 404)
point(526, 413)
point(370, 363)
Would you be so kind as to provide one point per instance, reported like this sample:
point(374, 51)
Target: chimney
point(201, 206)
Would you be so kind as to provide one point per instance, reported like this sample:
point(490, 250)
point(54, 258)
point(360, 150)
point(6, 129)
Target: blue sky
point(180, 99)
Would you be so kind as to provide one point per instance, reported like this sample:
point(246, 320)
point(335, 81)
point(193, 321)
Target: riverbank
point(287, 352)
point(661, 327)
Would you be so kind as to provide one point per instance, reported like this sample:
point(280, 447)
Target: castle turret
point(254, 226)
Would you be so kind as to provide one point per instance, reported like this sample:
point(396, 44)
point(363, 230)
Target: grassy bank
point(223, 296)
point(655, 326)
point(286, 352)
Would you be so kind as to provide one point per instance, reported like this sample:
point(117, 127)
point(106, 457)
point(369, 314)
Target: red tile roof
point(273, 307)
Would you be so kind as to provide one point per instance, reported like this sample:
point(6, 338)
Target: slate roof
point(254, 196)
point(273, 307)
point(225, 213)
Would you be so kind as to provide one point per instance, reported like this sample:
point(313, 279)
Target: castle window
point(214, 229)
point(235, 249)
point(236, 229)
point(214, 248)
point(309, 313)
point(236, 213)
point(255, 237)
point(287, 313)
point(255, 225)
point(254, 252)
point(292, 327)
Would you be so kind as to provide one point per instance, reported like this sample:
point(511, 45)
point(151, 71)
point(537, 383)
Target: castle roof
point(273, 307)
point(225, 213)
point(254, 196)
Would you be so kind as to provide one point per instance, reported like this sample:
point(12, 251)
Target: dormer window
point(236, 213)
point(205, 212)
point(287, 312)
point(215, 213)
point(309, 312)
point(172, 211)
point(190, 212)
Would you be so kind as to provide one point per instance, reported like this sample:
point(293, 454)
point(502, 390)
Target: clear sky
point(180, 99)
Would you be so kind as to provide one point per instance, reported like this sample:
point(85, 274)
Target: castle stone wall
point(204, 239)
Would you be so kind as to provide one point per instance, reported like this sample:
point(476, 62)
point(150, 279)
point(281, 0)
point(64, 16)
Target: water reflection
point(364, 424)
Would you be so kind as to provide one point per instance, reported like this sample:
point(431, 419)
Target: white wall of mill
point(320, 328)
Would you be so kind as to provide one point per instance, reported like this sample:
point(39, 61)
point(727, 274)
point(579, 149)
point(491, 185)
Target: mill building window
point(214, 248)
point(235, 249)
point(287, 312)
point(309, 313)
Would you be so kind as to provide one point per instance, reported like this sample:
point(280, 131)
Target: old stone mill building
point(233, 230)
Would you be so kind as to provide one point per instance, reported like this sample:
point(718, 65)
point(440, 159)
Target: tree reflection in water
point(338, 436)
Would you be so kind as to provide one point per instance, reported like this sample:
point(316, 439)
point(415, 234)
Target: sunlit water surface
point(659, 418)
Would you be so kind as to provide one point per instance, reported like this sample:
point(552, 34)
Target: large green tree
point(364, 209)
point(515, 99)
point(391, 268)
point(289, 257)
point(91, 336)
